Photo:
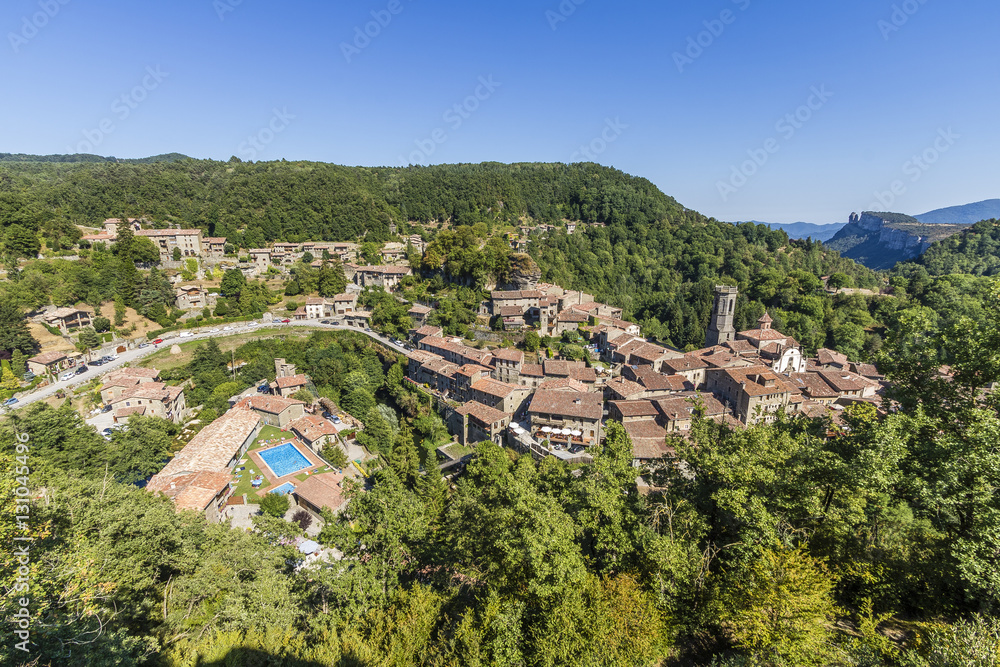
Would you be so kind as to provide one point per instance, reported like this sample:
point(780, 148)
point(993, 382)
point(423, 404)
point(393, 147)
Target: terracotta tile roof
point(624, 388)
point(762, 334)
point(563, 384)
point(845, 381)
point(586, 375)
point(635, 408)
point(271, 404)
point(676, 366)
point(423, 356)
point(299, 380)
point(417, 309)
point(648, 439)
point(429, 331)
point(168, 232)
point(495, 388)
point(484, 413)
point(521, 294)
point(572, 317)
point(322, 490)
point(515, 356)
point(589, 406)
point(46, 358)
point(533, 370)
point(128, 412)
point(342, 298)
point(813, 384)
point(200, 471)
point(312, 427)
point(511, 311)
point(830, 357)
point(759, 380)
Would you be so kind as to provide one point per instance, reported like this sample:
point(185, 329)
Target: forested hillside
point(975, 251)
point(663, 275)
point(280, 201)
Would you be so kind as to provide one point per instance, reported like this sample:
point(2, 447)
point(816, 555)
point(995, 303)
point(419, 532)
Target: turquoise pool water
point(285, 460)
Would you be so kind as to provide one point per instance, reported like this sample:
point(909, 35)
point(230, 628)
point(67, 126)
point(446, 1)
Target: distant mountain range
point(801, 230)
point(969, 214)
point(86, 157)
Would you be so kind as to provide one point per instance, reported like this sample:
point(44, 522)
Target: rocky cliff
point(880, 240)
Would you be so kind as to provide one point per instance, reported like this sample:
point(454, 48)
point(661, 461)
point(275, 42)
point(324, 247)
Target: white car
point(252, 324)
point(186, 334)
point(214, 331)
point(227, 328)
point(68, 375)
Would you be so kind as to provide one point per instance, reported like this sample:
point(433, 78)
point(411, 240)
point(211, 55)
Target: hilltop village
point(506, 388)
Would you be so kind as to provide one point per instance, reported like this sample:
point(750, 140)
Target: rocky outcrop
point(880, 240)
point(524, 272)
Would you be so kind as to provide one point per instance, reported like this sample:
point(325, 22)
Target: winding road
point(131, 356)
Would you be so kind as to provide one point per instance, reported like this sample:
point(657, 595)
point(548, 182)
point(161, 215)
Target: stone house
point(274, 410)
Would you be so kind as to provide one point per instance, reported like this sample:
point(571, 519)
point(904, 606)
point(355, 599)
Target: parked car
point(142, 345)
point(107, 431)
point(29, 376)
point(227, 328)
point(68, 375)
point(98, 362)
point(251, 324)
point(157, 341)
point(81, 369)
point(186, 334)
point(10, 401)
point(576, 449)
point(285, 321)
point(326, 322)
point(213, 331)
point(106, 409)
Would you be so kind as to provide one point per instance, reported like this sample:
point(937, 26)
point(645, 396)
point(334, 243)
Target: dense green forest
point(663, 275)
point(974, 251)
point(797, 543)
point(251, 204)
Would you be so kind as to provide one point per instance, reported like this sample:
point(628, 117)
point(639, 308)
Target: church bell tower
point(721, 328)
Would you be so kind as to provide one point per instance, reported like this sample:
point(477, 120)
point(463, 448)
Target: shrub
point(274, 504)
point(303, 518)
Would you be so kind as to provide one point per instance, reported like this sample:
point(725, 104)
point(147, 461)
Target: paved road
point(131, 356)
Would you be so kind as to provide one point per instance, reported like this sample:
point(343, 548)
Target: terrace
point(292, 462)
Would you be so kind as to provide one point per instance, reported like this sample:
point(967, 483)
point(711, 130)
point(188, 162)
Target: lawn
point(163, 360)
point(243, 485)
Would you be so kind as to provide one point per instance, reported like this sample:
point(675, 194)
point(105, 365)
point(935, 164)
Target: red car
point(157, 341)
point(285, 321)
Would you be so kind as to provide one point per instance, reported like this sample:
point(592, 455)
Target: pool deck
point(315, 462)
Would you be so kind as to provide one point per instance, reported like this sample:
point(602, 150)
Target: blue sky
point(742, 109)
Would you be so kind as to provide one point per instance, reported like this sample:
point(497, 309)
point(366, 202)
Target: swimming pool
point(284, 489)
point(285, 460)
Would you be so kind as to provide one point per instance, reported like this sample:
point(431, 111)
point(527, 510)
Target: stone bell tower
point(721, 328)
